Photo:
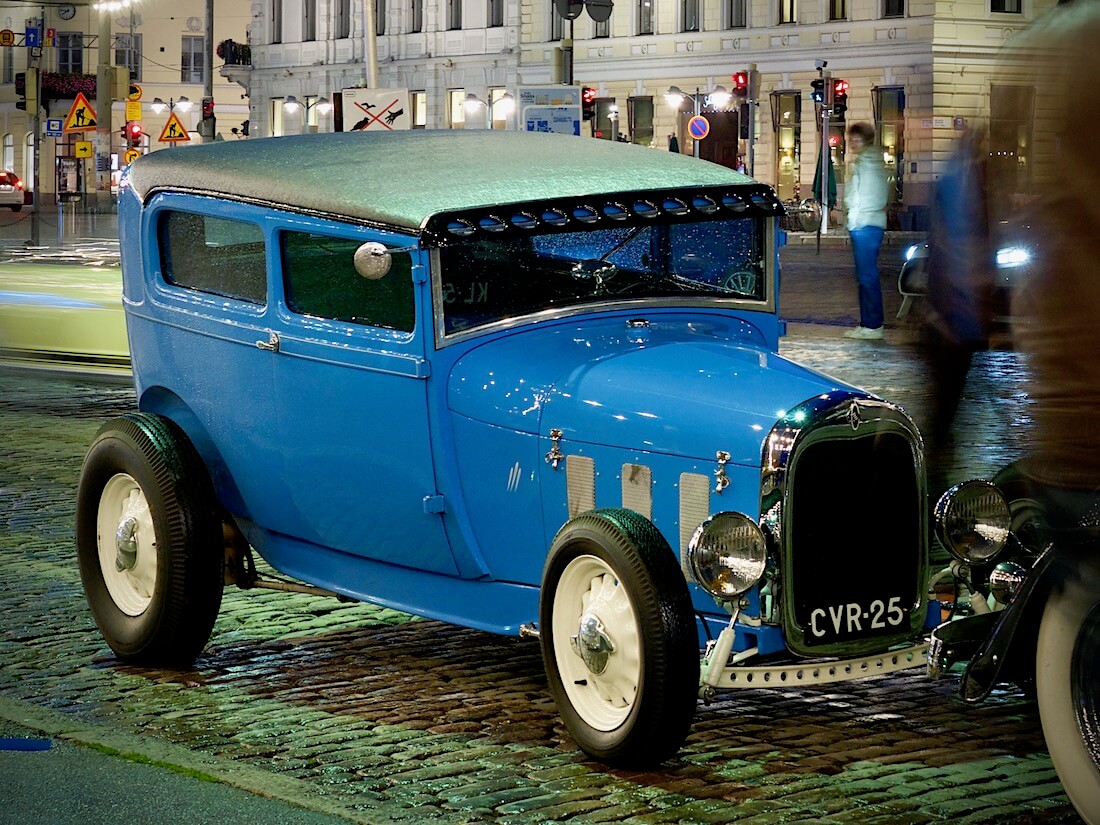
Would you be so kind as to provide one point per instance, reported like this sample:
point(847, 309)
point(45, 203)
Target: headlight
point(726, 556)
point(1012, 256)
point(911, 251)
point(973, 521)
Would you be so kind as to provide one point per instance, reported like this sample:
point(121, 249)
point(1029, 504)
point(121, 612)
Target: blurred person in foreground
point(865, 196)
point(1059, 306)
point(960, 287)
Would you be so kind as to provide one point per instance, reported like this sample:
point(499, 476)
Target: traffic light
point(840, 96)
point(588, 102)
point(26, 86)
point(133, 134)
point(740, 84)
point(817, 95)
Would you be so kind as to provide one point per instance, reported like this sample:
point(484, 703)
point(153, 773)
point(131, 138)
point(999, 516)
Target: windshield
point(490, 279)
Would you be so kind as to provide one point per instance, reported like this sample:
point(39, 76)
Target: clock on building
point(66, 12)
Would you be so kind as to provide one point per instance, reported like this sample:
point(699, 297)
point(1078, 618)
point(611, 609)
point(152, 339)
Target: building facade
point(920, 70)
point(162, 44)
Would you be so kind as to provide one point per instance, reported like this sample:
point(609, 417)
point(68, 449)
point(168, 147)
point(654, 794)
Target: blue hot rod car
point(524, 383)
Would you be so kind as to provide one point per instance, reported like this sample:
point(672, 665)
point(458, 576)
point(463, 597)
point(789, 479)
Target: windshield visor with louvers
point(487, 279)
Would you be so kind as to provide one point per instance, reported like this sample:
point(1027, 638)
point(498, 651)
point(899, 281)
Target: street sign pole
point(825, 109)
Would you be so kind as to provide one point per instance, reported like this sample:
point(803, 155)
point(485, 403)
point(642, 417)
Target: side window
point(215, 255)
point(321, 280)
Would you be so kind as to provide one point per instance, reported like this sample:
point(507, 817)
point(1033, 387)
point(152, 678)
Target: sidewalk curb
point(200, 766)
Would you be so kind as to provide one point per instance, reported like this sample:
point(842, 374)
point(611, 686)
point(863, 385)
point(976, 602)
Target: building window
point(603, 28)
point(191, 56)
point(1011, 111)
point(737, 14)
point(556, 22)
point(893, 8)
point(496, 13)
point(1006, 6)
point(9, 151)
point(788, 11)
point(277, 116)
point(456, 108)
point(454, 14)
point(640, 120)
point(645, 17)
point(889, 104)
point(379, 16)
point(419, 103)
point(276, 21)
point(70, 53)
point(838, 9)
point(690, 10)
point(309, 20)
point(416, 16)
point(342, 25)
point(787, 122)
point(9, 65)
point(128, 54)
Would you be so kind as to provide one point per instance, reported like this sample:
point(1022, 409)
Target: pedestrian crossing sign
point(81, 117)
point(174, 130)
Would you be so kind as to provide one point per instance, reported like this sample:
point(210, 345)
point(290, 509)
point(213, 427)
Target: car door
point(351, 388)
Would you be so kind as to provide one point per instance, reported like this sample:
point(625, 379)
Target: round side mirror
point(372, 260)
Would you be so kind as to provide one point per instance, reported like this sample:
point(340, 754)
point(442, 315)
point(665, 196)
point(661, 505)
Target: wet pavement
point(365, 714)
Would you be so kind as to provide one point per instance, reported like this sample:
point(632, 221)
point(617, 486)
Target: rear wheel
point(1068, 687)
point(149, 541)
point(618, 638)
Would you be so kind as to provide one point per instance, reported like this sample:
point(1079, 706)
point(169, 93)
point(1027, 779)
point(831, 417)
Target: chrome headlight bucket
point(726, 555)
point(973, 521)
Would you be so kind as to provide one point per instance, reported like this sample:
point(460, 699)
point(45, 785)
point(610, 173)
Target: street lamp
point(502, 106)
point(322, 104)
point(160, 107)
point(718, 98)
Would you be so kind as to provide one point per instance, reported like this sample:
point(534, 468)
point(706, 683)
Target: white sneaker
point(864, 333)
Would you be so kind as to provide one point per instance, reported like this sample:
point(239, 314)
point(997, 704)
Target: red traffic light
point(133, 131)
point(740, 83)
point(840, 87)
point(588, 95)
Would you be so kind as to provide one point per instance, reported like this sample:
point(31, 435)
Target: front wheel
point(149, 541)
point(1068, 687)
point(618, 638)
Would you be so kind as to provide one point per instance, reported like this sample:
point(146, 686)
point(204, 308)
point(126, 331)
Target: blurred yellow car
point(63, 312)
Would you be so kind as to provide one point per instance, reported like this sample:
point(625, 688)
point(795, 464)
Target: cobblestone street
point(370, 715)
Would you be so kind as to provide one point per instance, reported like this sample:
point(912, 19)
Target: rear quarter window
point(218, 256)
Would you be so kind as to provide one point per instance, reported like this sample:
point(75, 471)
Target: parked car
point(518, 382)
point(1022, 603)
point(11, 191)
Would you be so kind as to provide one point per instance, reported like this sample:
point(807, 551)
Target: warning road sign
point(174, 130)
point(81, 117)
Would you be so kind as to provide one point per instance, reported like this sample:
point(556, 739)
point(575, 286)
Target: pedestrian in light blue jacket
point(865, 196)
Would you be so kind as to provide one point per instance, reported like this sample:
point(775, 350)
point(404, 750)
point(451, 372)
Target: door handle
point(271, 344)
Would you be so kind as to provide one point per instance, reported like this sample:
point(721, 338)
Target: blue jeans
point(866, 242)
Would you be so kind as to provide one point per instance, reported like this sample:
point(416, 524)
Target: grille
point(855, 542)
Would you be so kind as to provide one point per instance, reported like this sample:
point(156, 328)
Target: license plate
point(856, 620)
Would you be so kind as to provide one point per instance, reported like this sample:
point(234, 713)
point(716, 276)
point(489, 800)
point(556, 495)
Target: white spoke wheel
point(149, 541)
point(618, 638)
point(1068, 686)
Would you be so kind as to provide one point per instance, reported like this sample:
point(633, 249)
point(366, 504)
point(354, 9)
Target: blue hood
point(688, 385)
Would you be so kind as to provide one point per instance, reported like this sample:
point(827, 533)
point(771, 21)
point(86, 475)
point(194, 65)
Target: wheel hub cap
point(126, 545)
point(592, 644)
